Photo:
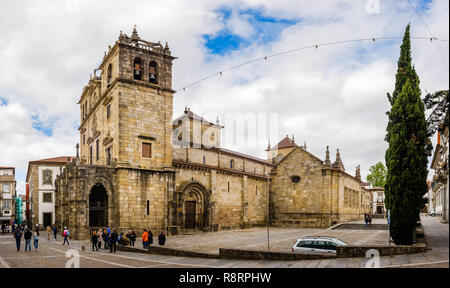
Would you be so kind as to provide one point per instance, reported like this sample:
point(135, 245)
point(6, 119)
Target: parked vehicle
point(317, 245)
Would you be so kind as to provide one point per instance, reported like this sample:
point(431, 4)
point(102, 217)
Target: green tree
point(377, 176)
point(406, 164)
point(406, 157)
point(405, 71)
point(437, 103)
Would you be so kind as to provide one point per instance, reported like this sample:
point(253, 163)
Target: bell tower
point(127, 106)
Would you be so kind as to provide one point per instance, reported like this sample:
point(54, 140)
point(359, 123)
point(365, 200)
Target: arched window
point(137, 74)
point(153, 72)
point(109, 75)
point(231, 163)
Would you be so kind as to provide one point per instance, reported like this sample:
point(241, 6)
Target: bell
point(152, 77)
point(137, 72)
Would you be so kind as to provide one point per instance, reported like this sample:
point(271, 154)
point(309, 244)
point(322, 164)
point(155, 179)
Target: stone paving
point(52, 254)
point(281, 239)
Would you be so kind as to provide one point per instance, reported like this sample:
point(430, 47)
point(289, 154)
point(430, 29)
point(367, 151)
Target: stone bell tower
point(123, 175)
point(126, 109)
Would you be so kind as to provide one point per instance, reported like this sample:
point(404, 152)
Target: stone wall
point(317, 200)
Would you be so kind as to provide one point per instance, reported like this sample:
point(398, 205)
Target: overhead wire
point(316, 46)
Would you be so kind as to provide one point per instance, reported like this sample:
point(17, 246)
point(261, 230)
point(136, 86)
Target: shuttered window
point(147, 150)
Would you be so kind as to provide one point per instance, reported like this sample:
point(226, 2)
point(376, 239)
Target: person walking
point(145, 239)
point(18, 236)
point(55, 231)
point(36, 240)
point(370, 220)
point(133, 237)
point(366, 220)
point(128, 235)
point(49, 232)
point(94, 240)
point(37, 228)
point(66, 236)
point(114, 237)
point(27, 237)
point(106, 237)
point(3, 228)
point(162, 239)
point(150, 237)
point(100, 238)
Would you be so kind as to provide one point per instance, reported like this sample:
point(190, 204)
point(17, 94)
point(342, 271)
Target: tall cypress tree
point(406, 157)
point(405, 71)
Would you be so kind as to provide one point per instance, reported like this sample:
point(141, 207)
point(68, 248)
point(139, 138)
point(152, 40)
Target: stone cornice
point(221, 170)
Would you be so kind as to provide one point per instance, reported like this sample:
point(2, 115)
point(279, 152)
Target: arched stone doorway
point(195, 207)
point(98, 206)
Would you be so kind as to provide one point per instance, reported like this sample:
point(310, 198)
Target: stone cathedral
point(137, 168)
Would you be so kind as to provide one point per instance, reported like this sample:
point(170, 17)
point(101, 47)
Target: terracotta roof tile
point(285, 143)
point(61, 159)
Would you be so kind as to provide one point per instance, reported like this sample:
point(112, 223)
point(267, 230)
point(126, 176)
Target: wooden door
point(190, 221)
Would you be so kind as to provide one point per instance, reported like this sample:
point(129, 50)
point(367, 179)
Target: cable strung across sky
point(316, 46)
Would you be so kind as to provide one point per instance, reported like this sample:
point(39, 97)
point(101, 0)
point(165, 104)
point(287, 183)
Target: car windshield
point(339, 242)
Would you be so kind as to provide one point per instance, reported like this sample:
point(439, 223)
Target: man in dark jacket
point(150, 237)
point(162, 239)
point(27, 237)
point(55, 231)
point(18, 236)
point(114, 237)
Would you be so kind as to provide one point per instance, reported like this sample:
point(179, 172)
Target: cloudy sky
point(333, 95)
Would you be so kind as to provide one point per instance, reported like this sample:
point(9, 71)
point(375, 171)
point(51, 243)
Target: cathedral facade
point(137, 168)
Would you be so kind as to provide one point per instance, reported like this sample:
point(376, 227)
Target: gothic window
point(137, 66)
point(108, 156)
point(108, 111)
point(97, 147)
point(204, 160)
point(153, 72)
point(84, 139)
point(109, 76)
point(231, 163)
point(90, 154)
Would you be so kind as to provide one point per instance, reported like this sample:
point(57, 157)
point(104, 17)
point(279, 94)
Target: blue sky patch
point(266, 30)
point(3, 101)
point(41, 127)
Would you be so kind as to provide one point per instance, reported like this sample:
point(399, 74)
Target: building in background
point(429, 196)
point(41, 177)
point(440, 184)
point(18, 212)
point(24, 208)
point(7, 194)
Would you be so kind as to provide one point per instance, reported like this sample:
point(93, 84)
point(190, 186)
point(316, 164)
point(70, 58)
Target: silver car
point(317, 245)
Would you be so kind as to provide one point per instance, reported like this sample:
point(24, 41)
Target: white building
point(41, 177)
point(7, 194)
point(440, 185)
